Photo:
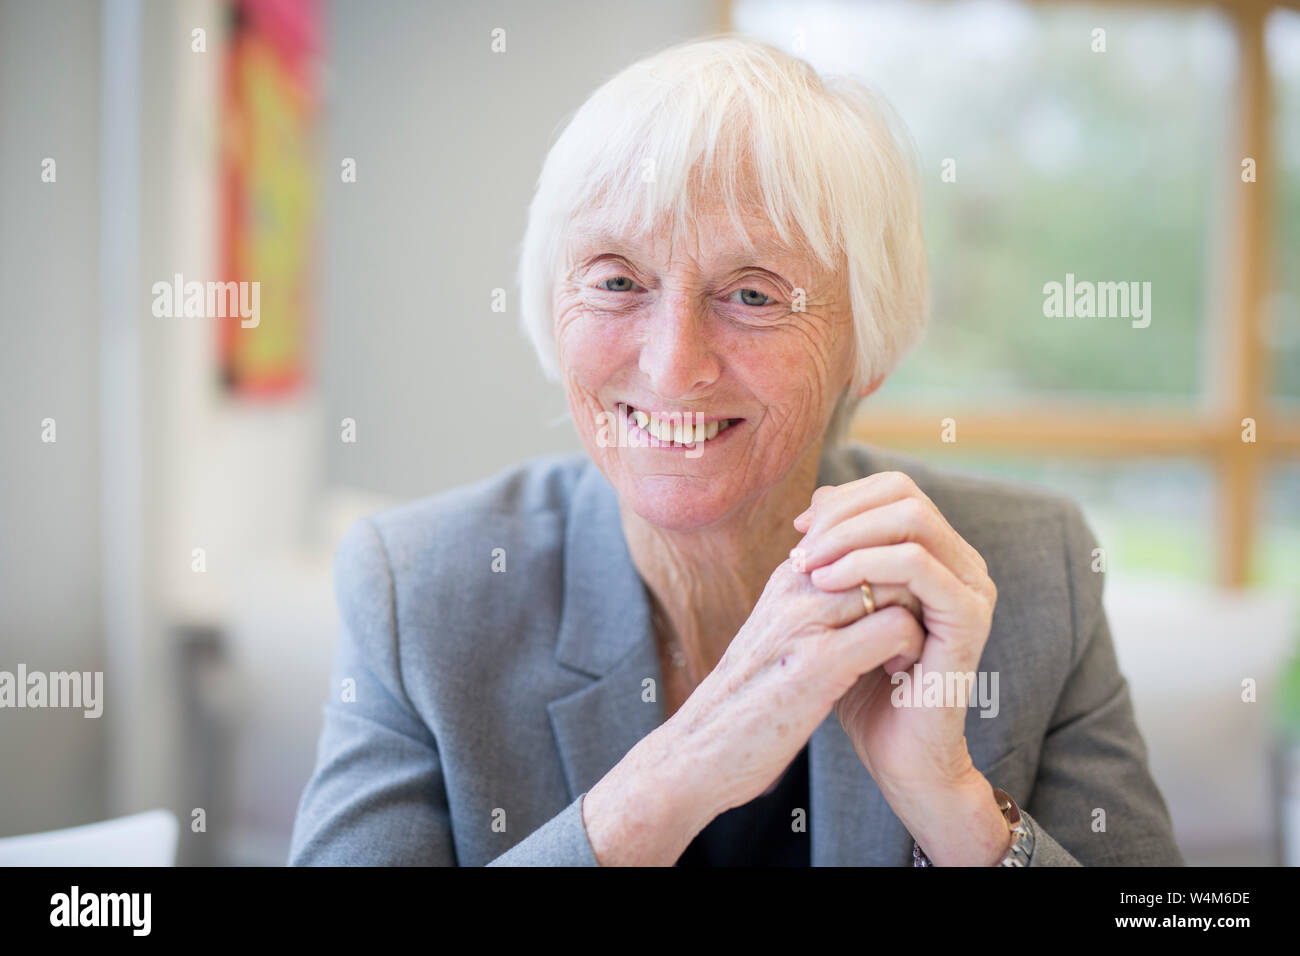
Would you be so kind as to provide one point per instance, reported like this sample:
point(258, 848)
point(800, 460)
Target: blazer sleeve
point(377, 796)
point(1093, 757)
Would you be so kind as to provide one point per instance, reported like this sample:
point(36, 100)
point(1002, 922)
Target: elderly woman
point(724, 636)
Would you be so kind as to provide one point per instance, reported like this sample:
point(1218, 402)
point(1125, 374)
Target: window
point(1154, 148)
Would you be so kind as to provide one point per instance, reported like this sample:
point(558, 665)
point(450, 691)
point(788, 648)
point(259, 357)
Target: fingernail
point(798, 558)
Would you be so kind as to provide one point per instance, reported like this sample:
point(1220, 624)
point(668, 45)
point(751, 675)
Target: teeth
point(676, 431)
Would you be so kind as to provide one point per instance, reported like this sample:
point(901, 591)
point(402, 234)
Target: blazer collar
point(605, 633)
point(606, 612)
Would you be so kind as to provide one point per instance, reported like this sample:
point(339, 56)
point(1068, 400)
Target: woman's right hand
point(799, 652)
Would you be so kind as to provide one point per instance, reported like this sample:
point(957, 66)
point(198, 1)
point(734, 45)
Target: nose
point(676, 355)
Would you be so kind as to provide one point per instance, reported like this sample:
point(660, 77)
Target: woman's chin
point(675, 502)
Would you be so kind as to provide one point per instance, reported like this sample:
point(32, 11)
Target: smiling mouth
point(679, 428)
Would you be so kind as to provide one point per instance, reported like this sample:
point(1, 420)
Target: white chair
point(142, 839)
point(1185, 652)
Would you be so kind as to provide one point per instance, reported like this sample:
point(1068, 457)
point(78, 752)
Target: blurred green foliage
point(1112, 166)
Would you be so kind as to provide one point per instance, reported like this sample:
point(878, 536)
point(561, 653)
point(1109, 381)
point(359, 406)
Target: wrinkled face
point(699, 375)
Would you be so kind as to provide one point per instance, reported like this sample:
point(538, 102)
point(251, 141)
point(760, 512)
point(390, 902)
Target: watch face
point(1007, 806)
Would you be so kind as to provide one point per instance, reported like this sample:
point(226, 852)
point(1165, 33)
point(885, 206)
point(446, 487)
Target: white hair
point(833, 168)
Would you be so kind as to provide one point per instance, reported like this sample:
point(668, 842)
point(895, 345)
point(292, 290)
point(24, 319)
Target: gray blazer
point(471, 709)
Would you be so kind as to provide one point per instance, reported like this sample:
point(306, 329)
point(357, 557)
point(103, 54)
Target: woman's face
point(752, 350)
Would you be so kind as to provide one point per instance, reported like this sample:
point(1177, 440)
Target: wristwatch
point(1022, 844)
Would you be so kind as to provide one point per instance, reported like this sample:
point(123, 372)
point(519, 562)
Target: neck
point(705, 582)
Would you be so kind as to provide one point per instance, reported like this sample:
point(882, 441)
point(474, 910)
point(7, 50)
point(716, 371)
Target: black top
point(761, 832)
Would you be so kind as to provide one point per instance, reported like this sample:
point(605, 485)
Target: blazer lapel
point(605, 634)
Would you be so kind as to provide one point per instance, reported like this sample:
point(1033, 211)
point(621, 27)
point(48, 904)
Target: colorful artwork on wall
point(268, 192)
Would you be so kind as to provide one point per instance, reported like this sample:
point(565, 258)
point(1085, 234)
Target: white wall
point(51, 761)
point(449, 139)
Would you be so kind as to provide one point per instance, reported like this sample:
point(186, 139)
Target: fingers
point(844, 606)
point(831, 504)
point(814, 605)
point(908, 656)
point(883, 595)
point(884, 508)
point(906, 519)
point(893, 595)
point(875, 640)
point(909, 565)
point(804, 521)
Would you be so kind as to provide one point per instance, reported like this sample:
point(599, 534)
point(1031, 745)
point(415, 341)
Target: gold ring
point(868, 601)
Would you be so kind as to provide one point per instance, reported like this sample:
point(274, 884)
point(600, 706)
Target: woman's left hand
point(883, 530)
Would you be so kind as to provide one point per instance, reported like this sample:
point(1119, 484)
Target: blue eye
point(630, 284)
point(766, 299)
